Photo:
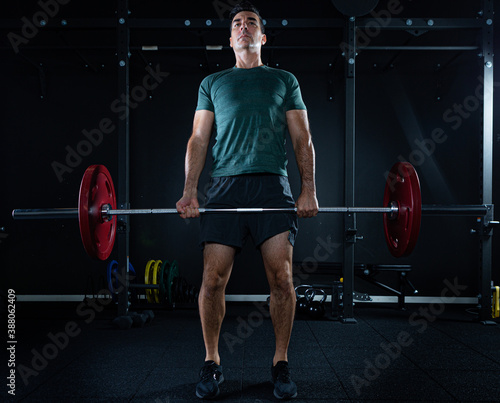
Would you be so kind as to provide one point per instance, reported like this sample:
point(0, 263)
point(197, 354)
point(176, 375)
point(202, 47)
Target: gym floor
point(68, 355)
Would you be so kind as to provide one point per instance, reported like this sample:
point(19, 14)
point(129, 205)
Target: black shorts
point(254, 190)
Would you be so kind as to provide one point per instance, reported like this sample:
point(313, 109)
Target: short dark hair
point(245, 6)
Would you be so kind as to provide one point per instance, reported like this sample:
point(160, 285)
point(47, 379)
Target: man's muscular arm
point(298, 126)
point(196, 155)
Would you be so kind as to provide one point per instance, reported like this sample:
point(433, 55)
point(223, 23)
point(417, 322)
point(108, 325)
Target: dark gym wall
point(402, 97)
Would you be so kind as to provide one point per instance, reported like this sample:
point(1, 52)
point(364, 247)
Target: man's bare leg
point(217, 265)
point(277, 256)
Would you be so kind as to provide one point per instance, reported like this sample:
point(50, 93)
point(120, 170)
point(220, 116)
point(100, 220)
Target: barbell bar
point(107, 211)
point(97, 210)
point(434, 209)
point(62, 213)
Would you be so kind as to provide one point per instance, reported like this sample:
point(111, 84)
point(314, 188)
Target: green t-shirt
point(250, 108)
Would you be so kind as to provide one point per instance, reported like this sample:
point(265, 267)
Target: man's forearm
point(195, 161)
point(305, 156)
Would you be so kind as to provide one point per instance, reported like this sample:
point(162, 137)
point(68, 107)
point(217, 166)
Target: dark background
point(65, 80)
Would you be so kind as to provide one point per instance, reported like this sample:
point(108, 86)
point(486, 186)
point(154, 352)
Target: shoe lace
point(209, 372)
point(283, 374)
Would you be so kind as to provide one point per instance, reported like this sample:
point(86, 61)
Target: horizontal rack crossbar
point(464, 210)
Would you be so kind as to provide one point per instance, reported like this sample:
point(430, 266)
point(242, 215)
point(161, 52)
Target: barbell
point(97, 210)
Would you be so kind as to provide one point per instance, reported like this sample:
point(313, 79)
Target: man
point(250, 106)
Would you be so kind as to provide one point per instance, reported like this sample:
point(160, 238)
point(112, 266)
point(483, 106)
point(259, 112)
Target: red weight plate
point(96, 190)
point(403, 190)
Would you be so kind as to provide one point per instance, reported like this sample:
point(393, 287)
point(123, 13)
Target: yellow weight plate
point(147, 278)
point(496, 303)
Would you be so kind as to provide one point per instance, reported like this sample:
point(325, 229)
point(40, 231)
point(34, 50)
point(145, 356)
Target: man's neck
point(247, 60)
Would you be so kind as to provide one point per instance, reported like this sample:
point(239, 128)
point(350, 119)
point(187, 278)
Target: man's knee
point(282, 282)
point(213, 281)
point(214, 278)
point(217, 265)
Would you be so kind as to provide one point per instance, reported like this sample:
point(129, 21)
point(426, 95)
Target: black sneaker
point(284, 387)
point(210, 379)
